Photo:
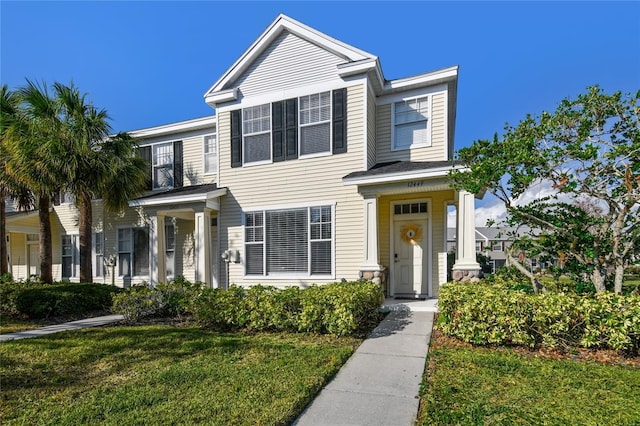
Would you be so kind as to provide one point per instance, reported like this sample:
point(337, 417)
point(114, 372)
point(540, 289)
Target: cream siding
point(289, 62)
point(311, 180)
point(438, 149)
point(18, 255)
point(371, 129)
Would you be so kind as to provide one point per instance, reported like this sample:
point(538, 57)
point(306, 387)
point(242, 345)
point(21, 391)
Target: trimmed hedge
point(494, 313)
point(340, 309)
point(36, 300)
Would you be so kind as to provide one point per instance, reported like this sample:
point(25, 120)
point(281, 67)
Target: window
point(210, 154)
point(165, 165)
point(162, 166)
point(478, 246)
point(69, 256)
point(411, 123)
point(310, 125)
point(292, 241)
point(133, 252)
point(410, 208)
point(256, 127)
point(497, 246)
point(315, 123)
point(98, 261)
point(170, 249)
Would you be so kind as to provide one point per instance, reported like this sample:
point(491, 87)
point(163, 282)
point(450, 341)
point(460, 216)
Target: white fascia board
point(354, 68)
point(484, 237)
point(400, 176)
point(181, 126)
point(422, 79)
point(190, 198)
point(223, 96)
point(282, 23)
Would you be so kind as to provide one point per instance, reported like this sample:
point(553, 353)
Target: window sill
point(288, 277)
point(414, 146)
point(316, 155)
point(257, 163)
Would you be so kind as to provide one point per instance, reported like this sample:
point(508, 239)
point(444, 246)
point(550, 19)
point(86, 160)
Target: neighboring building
point(314, 169)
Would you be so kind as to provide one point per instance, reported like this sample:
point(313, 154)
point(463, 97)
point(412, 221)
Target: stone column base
point(466, 275)
point(378, 276)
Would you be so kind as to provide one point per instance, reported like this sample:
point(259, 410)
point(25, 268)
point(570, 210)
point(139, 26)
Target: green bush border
point(495, 313)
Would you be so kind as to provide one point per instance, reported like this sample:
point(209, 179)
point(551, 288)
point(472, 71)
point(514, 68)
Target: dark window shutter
point(177, 164)
point(236, 138)
point(277, 130)
point(339, 121)
point(145, 153)
point(291, 128)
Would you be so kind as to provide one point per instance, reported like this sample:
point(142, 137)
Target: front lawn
point(487, 386)
point(158, 374)
point(11, 324)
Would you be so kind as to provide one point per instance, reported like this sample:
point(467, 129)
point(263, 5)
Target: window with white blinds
point(170, 249)
point(411, 123)
point(289, 241)
point(315, 123)
point(70, 256)
point(210, 154)
point(256, 128)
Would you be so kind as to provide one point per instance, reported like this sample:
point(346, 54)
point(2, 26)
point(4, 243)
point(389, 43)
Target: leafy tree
point(587, 154)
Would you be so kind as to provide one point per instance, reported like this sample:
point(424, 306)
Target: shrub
point(170, 299)
point(339, 309)
point(494, 313)
point(35, 300)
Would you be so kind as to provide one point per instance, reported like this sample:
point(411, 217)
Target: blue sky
point(149, 63)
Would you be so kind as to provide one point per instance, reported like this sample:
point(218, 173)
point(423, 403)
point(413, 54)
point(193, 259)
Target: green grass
point(158, 375)
point(480, 386)
point(11, 324)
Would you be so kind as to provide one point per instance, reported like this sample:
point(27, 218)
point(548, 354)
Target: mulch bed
point(604, 356)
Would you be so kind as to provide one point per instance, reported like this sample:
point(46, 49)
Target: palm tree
point(9, 187)
point(94, 165)
point(26, 152)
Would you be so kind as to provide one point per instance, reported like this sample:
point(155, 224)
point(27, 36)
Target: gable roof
point(219, 92)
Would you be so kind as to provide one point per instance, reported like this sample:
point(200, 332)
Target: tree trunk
point(46, 274)
point(597, 278)
point(84, 229)
point(618, 279)
point(537, 285)
point(4, 257)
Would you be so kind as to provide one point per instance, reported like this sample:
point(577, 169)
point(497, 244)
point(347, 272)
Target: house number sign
point(415, 184)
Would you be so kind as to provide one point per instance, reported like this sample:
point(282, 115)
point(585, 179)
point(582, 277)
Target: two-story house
point(314, 169)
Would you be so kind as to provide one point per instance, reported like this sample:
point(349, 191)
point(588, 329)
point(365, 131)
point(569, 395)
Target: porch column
point(371, 268)
point(158, 272)
point(466, 265)
point(203, 246)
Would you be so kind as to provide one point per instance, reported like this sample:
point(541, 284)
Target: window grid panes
point(210, 153)
point(69, 256)
point(410, 120)
point(410, 208)
point(170, 249)
point(163, 166)
point(256, 126)
point(291, 241)
point(315, 123)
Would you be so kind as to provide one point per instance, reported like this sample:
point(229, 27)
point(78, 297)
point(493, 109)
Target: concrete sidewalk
point(74, 325)
point(379, 384)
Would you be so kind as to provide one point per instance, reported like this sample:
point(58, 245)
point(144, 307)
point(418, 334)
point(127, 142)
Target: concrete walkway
point(379, 384)
point(74, 325)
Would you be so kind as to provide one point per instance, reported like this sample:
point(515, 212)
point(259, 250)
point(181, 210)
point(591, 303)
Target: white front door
point(34, 259)
point(409, 258)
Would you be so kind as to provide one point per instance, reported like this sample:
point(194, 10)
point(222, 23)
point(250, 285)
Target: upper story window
point(315, 124)
point(412, 123)
point(210, 154)
point(285, 130)
point(256, 127)
point(496, 246)
point(165, 164)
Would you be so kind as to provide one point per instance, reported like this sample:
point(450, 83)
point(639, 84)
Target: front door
point(409, 263)
point(34, 259)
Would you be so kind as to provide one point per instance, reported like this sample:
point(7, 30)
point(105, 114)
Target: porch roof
point(192, 193)
point(401, 170)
